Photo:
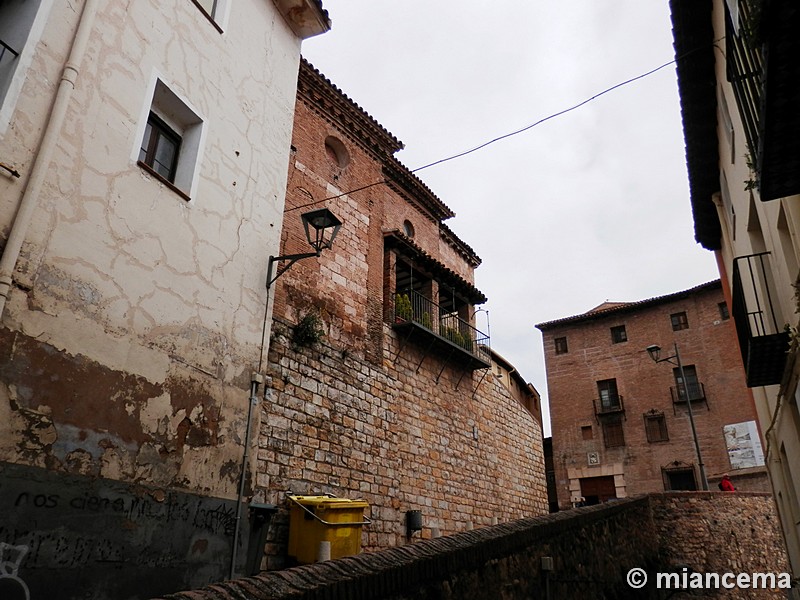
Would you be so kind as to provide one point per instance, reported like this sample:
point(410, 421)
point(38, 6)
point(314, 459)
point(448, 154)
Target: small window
point(561, 345)
point(655, 426)
point(337, 152)
point(587, 433)
point(171, 141)
point(679, 321)
point(160, 148)
point(408, 228)
point(723, 311)
point(618, 334)
point(613, 434)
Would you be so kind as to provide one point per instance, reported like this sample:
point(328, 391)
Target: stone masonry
point(592, 550)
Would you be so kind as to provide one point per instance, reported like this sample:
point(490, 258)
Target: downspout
point(30, 198)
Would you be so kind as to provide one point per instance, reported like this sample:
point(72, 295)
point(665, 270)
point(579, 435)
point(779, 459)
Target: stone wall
point(463, 450)
point(592, 550)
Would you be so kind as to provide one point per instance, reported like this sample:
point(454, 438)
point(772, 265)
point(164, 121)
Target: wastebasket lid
point(329, 502)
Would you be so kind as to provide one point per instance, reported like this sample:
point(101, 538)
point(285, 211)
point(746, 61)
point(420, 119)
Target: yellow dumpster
point(316, 519)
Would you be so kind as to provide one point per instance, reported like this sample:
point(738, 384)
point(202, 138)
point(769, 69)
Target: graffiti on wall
point(102, 539)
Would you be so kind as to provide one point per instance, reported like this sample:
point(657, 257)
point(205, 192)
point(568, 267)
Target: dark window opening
point(160, 148)
point(724, 313)
point(679, 480)
point(587, 433)
point(692, 384)
point(561, 345)
point(679, 321)
point(618, 334)
point(609, 397)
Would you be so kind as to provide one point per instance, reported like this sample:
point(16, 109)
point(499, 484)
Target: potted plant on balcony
point(402, 308)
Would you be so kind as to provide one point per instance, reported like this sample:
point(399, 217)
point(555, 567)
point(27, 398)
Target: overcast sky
point(588, 206)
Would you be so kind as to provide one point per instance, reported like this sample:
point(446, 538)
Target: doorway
point(598, 489)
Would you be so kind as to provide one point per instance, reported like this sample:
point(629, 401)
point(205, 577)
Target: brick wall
point(462, 450)
point(638, 466)
point(592, 548)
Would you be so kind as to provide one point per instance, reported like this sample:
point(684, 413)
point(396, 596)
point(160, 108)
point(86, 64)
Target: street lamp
point(321, 227)
point(655, 353)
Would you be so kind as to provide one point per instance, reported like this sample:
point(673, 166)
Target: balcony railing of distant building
point(412, 309)
point(697, 393)
point(763, 338)
point(745, 67)
point(608, 407)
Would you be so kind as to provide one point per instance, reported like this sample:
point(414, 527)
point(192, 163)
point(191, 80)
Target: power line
point(513, 133)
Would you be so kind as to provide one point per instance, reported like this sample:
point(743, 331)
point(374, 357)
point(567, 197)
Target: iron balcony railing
point(611, 405)
point(697, 392)
point(7, 53)
point(412, 307)
point(745, 67)
point(763, 338)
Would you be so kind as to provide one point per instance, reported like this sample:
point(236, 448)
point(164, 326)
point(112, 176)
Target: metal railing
point(753, 310)
point(412, 307)
point(697, 391)
point(5, 49)
point(745, 68)
point(763, 339)
point(608, 406)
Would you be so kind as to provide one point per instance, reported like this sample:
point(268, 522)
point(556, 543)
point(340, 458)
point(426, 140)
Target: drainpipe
point(255, 380)
point(30, 199)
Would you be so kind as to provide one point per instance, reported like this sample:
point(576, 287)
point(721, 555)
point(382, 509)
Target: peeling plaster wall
point(135, 319)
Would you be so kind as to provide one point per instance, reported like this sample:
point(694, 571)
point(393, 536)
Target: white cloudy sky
point(589, 206)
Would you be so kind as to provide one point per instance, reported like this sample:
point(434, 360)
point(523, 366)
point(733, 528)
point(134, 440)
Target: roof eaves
point(628, 307)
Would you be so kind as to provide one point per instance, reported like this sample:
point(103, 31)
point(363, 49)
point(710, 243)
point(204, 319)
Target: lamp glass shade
point(654, 351)
point(321, 227)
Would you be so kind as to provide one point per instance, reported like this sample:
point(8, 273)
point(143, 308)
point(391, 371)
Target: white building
point(144, 150)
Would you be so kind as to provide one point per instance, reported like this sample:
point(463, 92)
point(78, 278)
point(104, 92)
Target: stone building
point(739, 85)
point(620, 421)
point(394, 404)
point(143, 149)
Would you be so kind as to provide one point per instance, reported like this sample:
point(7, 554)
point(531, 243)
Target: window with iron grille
point(618, 334)
point(613, 434)
point(679, 321)
point(655, 426)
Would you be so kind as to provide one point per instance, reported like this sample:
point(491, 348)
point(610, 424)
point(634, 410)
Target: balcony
point(697, 393)
point(420, 318)
point(7, 53)
point(610, 406)
point(763, 340)
point(761, 49)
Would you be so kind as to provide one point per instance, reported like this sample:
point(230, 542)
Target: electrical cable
point(513, 133)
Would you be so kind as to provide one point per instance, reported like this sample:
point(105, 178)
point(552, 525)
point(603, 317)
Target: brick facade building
point(396, 403)
point(620, 421)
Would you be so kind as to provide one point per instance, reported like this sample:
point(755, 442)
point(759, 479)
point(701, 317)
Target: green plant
point(402, 307)
point(752, 182)
point(308, 331)
point(425, 321)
